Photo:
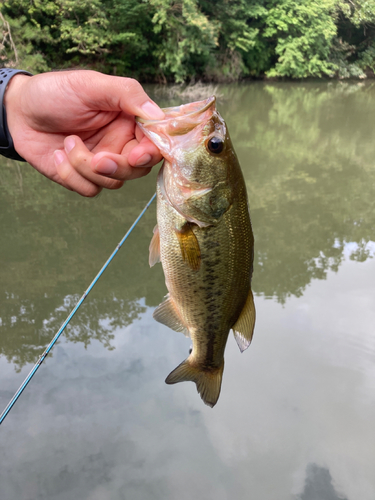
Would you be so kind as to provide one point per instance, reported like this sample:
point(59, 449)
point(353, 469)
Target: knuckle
point(64, 172)
point(133, 83)
point(108, 183)
point(78, 158)
point(133, 86)
point(115, 184)
point(140, 172)
point(125, 173)
point(91, 191)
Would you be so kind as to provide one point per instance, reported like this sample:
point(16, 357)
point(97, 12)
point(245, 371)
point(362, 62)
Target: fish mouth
point(181, 128)
point(182, 112)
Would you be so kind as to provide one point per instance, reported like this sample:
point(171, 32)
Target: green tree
point(186, 40)
point(240, 49)
point(187, 37)
point(355, 43)
point(132, 40)
point(302, 33)
point(58, 33)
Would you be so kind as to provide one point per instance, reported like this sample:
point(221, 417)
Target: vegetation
point(185, 40)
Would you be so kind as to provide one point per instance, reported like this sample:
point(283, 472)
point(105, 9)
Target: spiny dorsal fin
point(244, 327)
point(154, 255)
point(167, 314)
point(189, 245)
point(208, 382)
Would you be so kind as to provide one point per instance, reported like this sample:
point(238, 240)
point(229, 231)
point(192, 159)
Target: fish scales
point(204, 241)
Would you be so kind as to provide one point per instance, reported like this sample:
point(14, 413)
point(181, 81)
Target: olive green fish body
point(205, 243)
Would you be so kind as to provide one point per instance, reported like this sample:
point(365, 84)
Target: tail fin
point(208, 381)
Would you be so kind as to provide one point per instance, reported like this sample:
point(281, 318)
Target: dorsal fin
point(244, 327)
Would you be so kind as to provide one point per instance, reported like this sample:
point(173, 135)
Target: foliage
point(185, 40)
point(302, 32)
point(51, 31)
point(132, 39)
point(238, 38)
point(186, 35)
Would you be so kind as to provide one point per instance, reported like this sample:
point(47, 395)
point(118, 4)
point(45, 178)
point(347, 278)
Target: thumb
point(114, 93)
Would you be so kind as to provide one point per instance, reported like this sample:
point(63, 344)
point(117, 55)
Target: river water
point(295, 419)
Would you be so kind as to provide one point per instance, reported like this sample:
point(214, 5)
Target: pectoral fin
point(189, 245)
point(167, 314)
point(154, 255)
point(244, 327)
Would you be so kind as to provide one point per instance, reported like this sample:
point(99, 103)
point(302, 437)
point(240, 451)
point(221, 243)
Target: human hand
point(78, 128)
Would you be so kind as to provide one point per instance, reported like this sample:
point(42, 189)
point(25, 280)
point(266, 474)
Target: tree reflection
point(53, 243)
point(308, 157)
point(318, 485)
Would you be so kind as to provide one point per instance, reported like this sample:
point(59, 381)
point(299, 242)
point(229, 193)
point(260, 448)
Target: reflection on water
point(99, 423)
point(54, 243)
point(308, 158)
point(318, 485)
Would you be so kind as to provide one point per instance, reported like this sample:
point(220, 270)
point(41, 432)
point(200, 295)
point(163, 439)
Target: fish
point(203, 239)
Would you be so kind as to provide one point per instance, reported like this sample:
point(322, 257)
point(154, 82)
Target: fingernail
point(143, 160)
point(106, 166)
point(152, 111)
point(58, 157)
point(69, 144)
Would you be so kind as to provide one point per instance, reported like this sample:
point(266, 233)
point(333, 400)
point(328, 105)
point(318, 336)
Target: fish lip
point(206, 104)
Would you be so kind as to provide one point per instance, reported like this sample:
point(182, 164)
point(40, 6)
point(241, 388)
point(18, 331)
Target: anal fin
point(167, 314)
point(244, 327)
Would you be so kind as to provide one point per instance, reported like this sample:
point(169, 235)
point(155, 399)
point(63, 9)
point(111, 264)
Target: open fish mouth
point(181, 129)
point(182, 112)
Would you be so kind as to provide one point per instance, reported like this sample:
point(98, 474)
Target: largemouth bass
point(203, 239)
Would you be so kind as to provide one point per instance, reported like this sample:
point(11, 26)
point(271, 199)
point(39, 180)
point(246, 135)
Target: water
point(295, 417)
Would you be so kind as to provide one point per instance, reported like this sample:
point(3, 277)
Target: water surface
point(296, 412)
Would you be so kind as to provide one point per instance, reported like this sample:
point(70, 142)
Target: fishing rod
point(43, 356)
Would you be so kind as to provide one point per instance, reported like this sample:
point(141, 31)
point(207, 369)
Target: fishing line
point(43, 356)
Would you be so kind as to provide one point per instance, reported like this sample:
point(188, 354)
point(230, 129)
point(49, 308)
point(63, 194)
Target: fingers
point(117, 166)
point(80, 159)
point(118, 137)
point(144, 153)
point(114, 93)
point(71, 179)
point(87, 172)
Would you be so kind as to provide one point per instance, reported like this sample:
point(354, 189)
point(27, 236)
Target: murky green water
point(295, 419)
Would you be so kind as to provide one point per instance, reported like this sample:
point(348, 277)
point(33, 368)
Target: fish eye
point(215, 145)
